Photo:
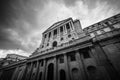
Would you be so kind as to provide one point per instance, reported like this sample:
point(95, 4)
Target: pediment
point(57, 23)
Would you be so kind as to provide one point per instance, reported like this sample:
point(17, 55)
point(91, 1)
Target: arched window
point(91, 69)
point(40, 76)
point(50, 73)
point(55, 44)
point(92, 73)
point(62, 75)
point(75, 74)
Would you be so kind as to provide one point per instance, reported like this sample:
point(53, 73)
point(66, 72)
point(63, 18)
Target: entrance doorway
point(50, 73)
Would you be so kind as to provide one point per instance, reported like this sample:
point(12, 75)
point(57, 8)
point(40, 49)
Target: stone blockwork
point(93, 56)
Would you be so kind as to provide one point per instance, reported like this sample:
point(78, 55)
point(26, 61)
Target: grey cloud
point(21, 17)
point(70, 2)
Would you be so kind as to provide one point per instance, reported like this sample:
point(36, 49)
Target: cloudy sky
point(23, 21)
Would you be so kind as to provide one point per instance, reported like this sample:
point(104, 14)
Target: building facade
point(11, 58)
point(68, 52)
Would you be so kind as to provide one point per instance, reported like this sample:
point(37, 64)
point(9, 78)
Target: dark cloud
point(17, 15)
point(19, 18)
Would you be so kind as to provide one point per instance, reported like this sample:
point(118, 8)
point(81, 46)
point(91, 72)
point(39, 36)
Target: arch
point(75, 74)
point(40, 76)
point(62, 75)
point(91, 69)
point(50, 73)
point(54, 44)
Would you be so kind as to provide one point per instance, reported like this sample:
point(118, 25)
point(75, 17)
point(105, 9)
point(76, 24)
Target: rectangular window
point(45, 35)
point(49, 34)
point(67, 26)
point(85, 53)
point(55, 32)
point(61, 59)
point(72, 56)
point(61, 29)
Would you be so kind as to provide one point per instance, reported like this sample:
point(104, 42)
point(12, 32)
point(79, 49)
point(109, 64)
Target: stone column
point(15, 74)
point(81, 66)
point(65, 30)
point(55, 68)
point(66, 67)
point(47, 37)
point(1, 74)
point(30, 71)
point(44, 70)
point(43, 40)
point(72, 25)
point(37, 70)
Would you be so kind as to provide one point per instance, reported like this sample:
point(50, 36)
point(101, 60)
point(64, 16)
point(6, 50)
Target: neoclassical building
point(68, 52)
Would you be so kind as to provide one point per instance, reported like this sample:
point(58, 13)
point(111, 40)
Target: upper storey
point(60, 33)
point(68, 32)
point(103, 27)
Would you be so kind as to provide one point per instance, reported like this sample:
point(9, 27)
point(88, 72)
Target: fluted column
point(15, 73)
point(81, 66)
point(65, 30)
point(71, 26)
point(44, 70)
point(37, 70)
point(29, 72)
point(55, 68)
point(66, 67)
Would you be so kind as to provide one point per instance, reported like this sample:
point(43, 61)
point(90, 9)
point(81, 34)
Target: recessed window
point(55, 32)
point(67, 26)
point(45, 35)
point(42, 46)
point(107, 23)
point(69, 35)
point(40, 76)
point(61, 29)
point(61, 38)
point(49, 34)
point(85, 53)
point(54, 44)
point(61, 59)
point(62, 75)
point(47, 44)
point(72, 56)
point(107, 29)
point(91, 69)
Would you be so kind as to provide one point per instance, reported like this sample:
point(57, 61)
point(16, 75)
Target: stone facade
point(93, 54)
point(11, 58)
